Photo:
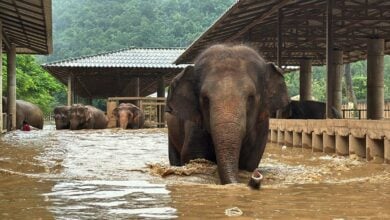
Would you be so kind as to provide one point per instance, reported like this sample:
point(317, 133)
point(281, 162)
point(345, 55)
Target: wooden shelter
point(310, 32)
point(25, 28)
point(131, 72)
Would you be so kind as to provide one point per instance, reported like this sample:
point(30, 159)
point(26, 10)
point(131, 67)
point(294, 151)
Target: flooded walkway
point(117, 174)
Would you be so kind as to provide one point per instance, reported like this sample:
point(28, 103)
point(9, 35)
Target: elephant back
point(32, 114)
point(99, 119)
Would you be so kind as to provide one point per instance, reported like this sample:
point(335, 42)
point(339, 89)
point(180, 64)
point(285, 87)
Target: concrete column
point(387, 150)
point(280, 39)
point(288, 138)
point(317, 142)
point(375, 150)
point(375, 79)
point(1, 78)
point(342, 145)
point(280, 140)
point(70, 89)
point(329, 143)
point(161, 94)
point(274, 136)
point(305, 80)
point(334, 83)
point(297, 139)
point(307, 140)
point(357, 146)
point(11, 73)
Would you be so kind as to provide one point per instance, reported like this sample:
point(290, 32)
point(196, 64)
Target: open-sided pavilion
point(310, 32)
point(25, 28)
point(132, 72)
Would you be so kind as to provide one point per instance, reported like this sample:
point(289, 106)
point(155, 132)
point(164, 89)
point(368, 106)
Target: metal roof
point(109, 74)
point(303, 28)
point(126, 58)
point(27, 25)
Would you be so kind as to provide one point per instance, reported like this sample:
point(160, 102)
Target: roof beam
point(259, 20)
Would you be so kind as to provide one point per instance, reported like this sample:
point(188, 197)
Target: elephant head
point(79, 116)
point(129, 116)
point(62, 117)
point(229, 92)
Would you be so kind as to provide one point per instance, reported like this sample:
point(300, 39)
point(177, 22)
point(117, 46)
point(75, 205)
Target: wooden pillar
point(280, 40)
point(1, 78)
point(161, 94)
point(11, 76)
point(375, 79)
point(329, 53)
point(135, 90)
point(89, 101)
point(305, 80)
point(334, 83)
point(70, 89)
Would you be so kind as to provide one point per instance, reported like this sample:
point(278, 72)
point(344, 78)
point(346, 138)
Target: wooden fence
point(153, 109)
point(361, 111)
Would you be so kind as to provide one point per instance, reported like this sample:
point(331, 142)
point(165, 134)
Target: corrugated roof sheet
point(126, 58)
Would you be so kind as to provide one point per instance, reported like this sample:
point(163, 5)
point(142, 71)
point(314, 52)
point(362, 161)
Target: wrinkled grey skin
point(87, 117)
point(306, 110)
point(219, 109)
point(62, 117)
point(129, 116)
point(26, 111)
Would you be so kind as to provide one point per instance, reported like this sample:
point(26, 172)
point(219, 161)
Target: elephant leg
point(197, 144)
point(174, 155)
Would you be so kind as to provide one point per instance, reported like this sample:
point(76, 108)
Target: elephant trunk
point(227, 126)
point(124, 119)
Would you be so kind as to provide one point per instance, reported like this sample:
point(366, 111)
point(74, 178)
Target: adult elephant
point(26, 111)
point(87, 117)
point(306, 109)
point(219, 109)
point(129, 116)
point(62, 117)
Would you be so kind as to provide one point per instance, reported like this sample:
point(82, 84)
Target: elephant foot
point(255, 180)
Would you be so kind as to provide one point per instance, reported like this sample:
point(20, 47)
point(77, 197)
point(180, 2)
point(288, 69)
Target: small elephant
point(26, 111)
point(129, 116)
point(306, 109)
point(62, 117)
point(87, 117)
point(219, 109)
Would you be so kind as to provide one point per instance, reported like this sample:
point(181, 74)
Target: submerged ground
point(122, 174)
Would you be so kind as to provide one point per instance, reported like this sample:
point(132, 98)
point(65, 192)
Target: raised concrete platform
point(369, 139)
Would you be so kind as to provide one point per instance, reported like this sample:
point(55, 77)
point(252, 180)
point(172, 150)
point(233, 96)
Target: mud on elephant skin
point(62, 117)
point(219, 109)
point(87, 117)
point(129, 116)
point(26, 111)
point(306, 109)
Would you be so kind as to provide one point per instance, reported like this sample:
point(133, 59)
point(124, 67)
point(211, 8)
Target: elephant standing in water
point(219, 109)
point(87, 117)
point(26, 111)
point(306, 109)
point(129, 116)
point(62, 117)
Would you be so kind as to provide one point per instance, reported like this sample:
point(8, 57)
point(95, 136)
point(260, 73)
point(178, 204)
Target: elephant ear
point(182, 100)
point(88, 114)
point(276, 89)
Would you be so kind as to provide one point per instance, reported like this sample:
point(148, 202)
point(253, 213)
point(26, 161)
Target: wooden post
point(375, 79)
point(337, 76)
point(280, 40)
point(305, 80)
point(135, 90)
point(161, 94)
point(11, 76)
point(1, 78)
point(70, 90)
point(329, 55)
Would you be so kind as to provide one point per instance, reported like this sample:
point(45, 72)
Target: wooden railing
point(152, 107)
point(361, 111)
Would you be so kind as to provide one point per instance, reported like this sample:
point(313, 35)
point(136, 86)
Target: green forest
point(84, 27)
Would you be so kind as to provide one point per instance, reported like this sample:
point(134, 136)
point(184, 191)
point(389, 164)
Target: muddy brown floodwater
point(124, 174)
